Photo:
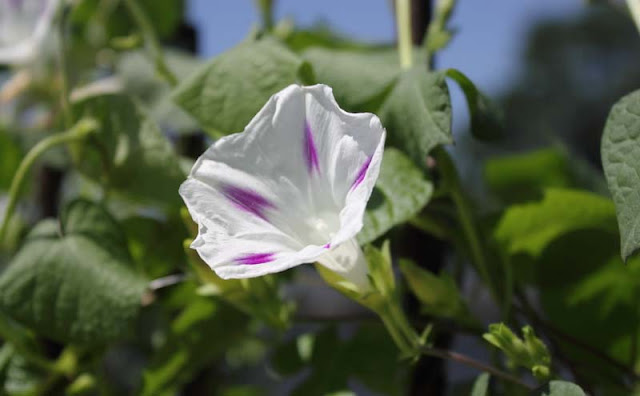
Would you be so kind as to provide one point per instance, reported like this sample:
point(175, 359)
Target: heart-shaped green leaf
point(73, 281)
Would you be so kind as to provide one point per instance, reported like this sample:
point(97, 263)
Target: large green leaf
point(198, 336)
point(129, 154)
point(621, 161)
point(417, 113)
point(156, 246)
point(21, 377)
point(523, 177)
point(400, 193)
point(228, 91)
point(360, 80)
point(528, 228)
point(73, 281)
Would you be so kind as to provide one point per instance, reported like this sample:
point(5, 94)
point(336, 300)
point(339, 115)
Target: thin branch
point(151, 40)
point(467, 361)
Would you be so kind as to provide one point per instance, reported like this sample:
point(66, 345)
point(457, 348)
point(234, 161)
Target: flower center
point(322, 228)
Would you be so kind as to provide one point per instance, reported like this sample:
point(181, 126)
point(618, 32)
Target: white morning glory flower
point(24, 24)
point(291, 189)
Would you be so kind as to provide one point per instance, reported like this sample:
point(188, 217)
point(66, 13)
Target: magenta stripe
point(257, 258)
point(310, 152)
point(362, 173)
point(247, 200)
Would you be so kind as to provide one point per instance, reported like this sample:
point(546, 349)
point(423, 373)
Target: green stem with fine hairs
point(78, 132)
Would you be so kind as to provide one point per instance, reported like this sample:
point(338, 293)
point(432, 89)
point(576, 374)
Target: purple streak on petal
point(247, 200)
point(310, 152)
point(362, 172)
point(327, 246)
point(256, 258)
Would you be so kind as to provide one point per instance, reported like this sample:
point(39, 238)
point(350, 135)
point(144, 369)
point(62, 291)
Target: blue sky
point(487, 47)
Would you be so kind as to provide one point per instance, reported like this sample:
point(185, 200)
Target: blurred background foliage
point(144, 317)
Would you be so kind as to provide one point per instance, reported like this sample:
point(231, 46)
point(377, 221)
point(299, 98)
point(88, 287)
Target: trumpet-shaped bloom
point(291, 189)
point(24, 24)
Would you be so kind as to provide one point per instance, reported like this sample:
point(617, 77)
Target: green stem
point(467, 361)
point(403, 26)
point(77, 132)
point(438, 36)
point(399, 328)
point(62, 70)
point(465, 216)
point(266, 12)
point(152, 41)
point(396, 333)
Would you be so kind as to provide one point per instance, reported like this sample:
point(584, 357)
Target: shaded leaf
point(417, 113)
point(364, 357)
point(155, 245)
point(74, 282)
point(438, 295)
point(129, 153)
point(164, 16)
point(198, 336)
point(560, 388)
point(523, 177)
point(621, 162)
point(137, 73)
point(487, 119)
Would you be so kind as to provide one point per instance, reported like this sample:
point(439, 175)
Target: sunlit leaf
point(530, 227)
point(226, 92)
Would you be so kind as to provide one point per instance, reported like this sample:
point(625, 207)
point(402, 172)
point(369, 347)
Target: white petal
point(292, 186)
point(348, 261)
point(354, 144)
point(23, 28)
